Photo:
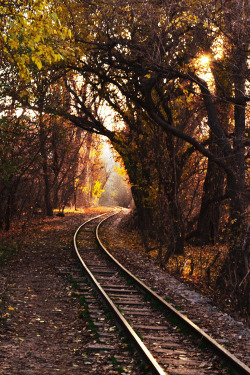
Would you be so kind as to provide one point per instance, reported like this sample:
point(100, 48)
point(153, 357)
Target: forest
point(166, 84)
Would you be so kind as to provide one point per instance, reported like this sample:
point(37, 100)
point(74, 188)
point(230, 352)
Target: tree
point(18, 151)
point(128, 57)
point(30, 31)
point(142, 56)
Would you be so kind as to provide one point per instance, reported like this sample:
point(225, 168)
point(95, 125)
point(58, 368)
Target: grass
point(84, 313)
point(116, 364)
point(7, 251)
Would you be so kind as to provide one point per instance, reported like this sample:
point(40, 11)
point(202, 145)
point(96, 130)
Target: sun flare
point(204, 60)
point(202, 65)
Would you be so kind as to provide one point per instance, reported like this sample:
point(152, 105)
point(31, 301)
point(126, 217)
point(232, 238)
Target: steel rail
point(233, 361)
point(121, 321)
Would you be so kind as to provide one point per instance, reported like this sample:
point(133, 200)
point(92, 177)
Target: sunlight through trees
point(174, 76)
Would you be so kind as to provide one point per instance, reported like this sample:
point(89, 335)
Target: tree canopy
point(175, 74)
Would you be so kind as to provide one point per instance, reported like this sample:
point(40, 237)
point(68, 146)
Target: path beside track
point(32, 295)
point(42, 330)
point(231, 333)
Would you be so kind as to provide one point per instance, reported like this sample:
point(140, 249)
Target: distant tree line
point(46, 164)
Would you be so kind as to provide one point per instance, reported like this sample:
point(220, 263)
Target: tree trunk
point(178, 236)
point(47, 198)
point(235, 274)
point(209, 216)
point(8, 213)
point(47, 188)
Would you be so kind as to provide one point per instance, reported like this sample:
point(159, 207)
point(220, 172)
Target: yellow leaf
point(39, 64)
point(11, 308)
point(37, 38)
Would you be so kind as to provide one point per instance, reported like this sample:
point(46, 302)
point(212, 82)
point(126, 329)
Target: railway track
point(166, 340)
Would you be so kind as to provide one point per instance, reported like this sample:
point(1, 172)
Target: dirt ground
point(42, 329)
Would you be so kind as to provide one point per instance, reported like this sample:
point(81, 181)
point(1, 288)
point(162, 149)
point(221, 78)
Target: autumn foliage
point(174, 75)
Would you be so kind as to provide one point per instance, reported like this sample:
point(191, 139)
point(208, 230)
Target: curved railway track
point(167, 341)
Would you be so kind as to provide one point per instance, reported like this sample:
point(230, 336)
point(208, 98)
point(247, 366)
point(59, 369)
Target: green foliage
point(31, 35)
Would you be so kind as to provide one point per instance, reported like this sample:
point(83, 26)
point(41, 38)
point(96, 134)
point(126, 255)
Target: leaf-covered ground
point(228, 327)
point(199, 267)
point(41, 326)
point(42, 330)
